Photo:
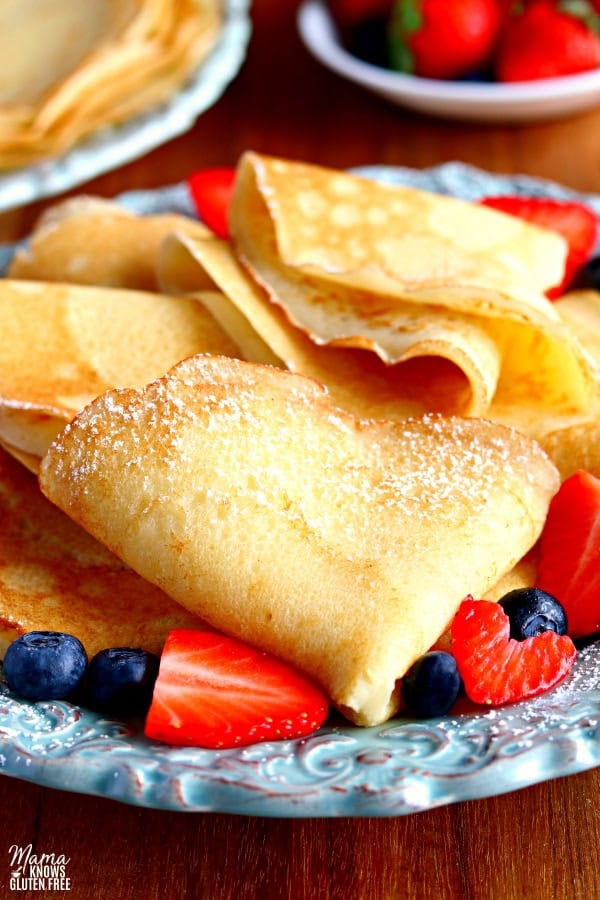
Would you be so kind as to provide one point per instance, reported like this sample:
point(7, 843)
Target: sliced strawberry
point(577, 223)
point(569, 562)
point(217, 692)
point(497, 669)
point(211, 191)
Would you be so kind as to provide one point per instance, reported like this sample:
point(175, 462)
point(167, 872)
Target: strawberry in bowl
point(501, 41)
point(546, 39)
point(443, 38)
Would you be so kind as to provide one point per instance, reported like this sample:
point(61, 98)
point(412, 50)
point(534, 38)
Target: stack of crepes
point(69, 69)
point(402, 302)
point(336, 520)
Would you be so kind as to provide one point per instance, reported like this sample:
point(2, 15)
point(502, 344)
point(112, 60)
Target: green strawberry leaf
point(406, 19)
point(583, 10)
point(407, 16)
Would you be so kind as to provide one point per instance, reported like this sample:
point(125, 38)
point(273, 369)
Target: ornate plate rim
point(394, 769)
point(110, 148)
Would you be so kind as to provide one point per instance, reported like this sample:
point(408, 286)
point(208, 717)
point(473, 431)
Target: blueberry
point(588, 275)
point(432, 685)
point(45, 665)
point(532, 611)
point(121, 680)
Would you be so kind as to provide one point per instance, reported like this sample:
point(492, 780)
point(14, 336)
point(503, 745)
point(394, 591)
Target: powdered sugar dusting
point(281, 446)
point(518, 727)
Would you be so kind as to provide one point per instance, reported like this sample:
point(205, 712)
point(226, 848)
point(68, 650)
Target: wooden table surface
point(541, 842)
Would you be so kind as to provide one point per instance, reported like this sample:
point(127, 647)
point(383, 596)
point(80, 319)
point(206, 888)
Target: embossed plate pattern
point(395, 769)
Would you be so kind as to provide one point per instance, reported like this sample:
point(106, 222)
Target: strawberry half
point(576, 222)
point(443, 39)
point(217, 692)
point(211, 191)
point(497, 669)
point(548, 39)
point(569, 562)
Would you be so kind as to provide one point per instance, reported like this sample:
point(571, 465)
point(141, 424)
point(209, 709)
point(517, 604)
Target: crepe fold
point(61, 345)
point(575, 444)
point(344, 546)
point(90, 240)
point(405, 275)
point(357, 379)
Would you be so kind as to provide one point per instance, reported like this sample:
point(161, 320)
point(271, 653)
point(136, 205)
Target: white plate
point(547, 99)
point(112, 147)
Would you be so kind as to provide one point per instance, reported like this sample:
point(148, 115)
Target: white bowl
point(525, 101)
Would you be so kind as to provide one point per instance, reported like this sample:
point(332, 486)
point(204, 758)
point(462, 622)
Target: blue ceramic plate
point(113, 147)
point(394, 769)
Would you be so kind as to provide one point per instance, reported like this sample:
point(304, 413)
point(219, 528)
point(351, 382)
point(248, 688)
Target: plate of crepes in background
point(467, 99)
point(88, 87)
point(315, 436)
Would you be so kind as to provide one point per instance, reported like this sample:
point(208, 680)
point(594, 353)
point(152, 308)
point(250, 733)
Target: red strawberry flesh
point(574, 221)
point(211, 191)
point(497, 669)
point(217, 692)
point(443, 39)
point(569, 563)
point(548, 39)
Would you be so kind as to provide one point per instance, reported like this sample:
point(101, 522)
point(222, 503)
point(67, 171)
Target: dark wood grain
point(542, 842)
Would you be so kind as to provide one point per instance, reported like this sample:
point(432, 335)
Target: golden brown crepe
point(43, 41)
point(390, 240)
point(357, 379)
point(574, 443)
point(580, 313)
point(88, 240)
point(29, 460)
point(405, 274)
point(522, 575)
point(62, 345)
point(55, 577)
point(342, 545)
point(73, 68)
point(460, 326)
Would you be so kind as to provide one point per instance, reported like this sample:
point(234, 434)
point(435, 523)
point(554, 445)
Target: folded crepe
point(342, 545)
point(62, 345)
point(56, 577)
point(88, 240)
point(405, 275)
point(357, 379)
point(43, 41)
point(575, 444)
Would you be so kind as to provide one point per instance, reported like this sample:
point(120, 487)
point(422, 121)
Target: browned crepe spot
point(95, 242)
point(62, 345)
point(54, 576)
